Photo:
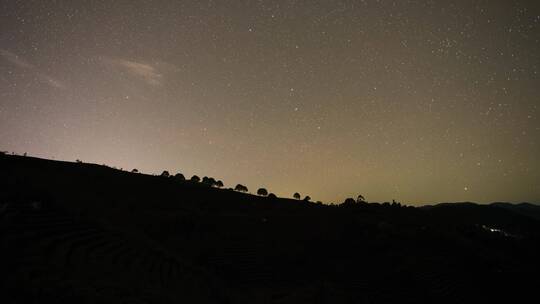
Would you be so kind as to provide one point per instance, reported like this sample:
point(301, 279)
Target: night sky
point(418, 101)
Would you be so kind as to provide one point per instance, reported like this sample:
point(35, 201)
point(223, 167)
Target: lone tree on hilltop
point(241, 188)
point(296, 195)
point(195, 179)
point(165, 173)
point(262, 192)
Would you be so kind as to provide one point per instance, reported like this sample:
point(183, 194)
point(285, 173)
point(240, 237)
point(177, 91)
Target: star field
point(418, 101)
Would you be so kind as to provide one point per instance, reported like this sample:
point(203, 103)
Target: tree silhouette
point(262, 192)
point(360, 199)
point(195, 178)
point(349, 201)
point(296, 195)
point(209, 181)
point(179, 176)
point(241, 188)
point(134, 171)
point(219, 184)
point(165, 173)
point(272, 196)
point(307, 198)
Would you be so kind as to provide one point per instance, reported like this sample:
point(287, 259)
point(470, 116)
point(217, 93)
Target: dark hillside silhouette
point(86, 233)
point(525, 209)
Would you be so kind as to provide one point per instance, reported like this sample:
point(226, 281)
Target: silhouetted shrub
point(296, 195)
point(165, 173)
point(307, 198)
point(241, 188)
point(360, 199)
point(179, 176)
point(349, 201)
point(195, 178)
point(209, 181)
point(134, 171)
point(219, 184)
point(272, 196)
point(262, 192)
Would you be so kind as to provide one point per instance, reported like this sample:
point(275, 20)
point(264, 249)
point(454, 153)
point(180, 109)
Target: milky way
point(418, 101)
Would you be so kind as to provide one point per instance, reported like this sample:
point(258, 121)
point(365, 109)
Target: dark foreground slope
point(83, 233)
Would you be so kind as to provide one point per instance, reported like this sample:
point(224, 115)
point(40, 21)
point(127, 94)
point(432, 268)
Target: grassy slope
point(217, 245)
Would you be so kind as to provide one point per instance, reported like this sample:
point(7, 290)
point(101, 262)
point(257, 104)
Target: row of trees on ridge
point(212, 182)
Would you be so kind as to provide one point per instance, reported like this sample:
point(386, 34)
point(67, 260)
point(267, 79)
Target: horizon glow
point(415, 101)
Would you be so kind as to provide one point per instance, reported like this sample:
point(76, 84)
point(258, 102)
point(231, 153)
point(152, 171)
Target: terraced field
point(50, 255)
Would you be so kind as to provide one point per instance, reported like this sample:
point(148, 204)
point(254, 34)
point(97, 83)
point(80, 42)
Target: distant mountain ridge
point(524, 208)
point(527, 209)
